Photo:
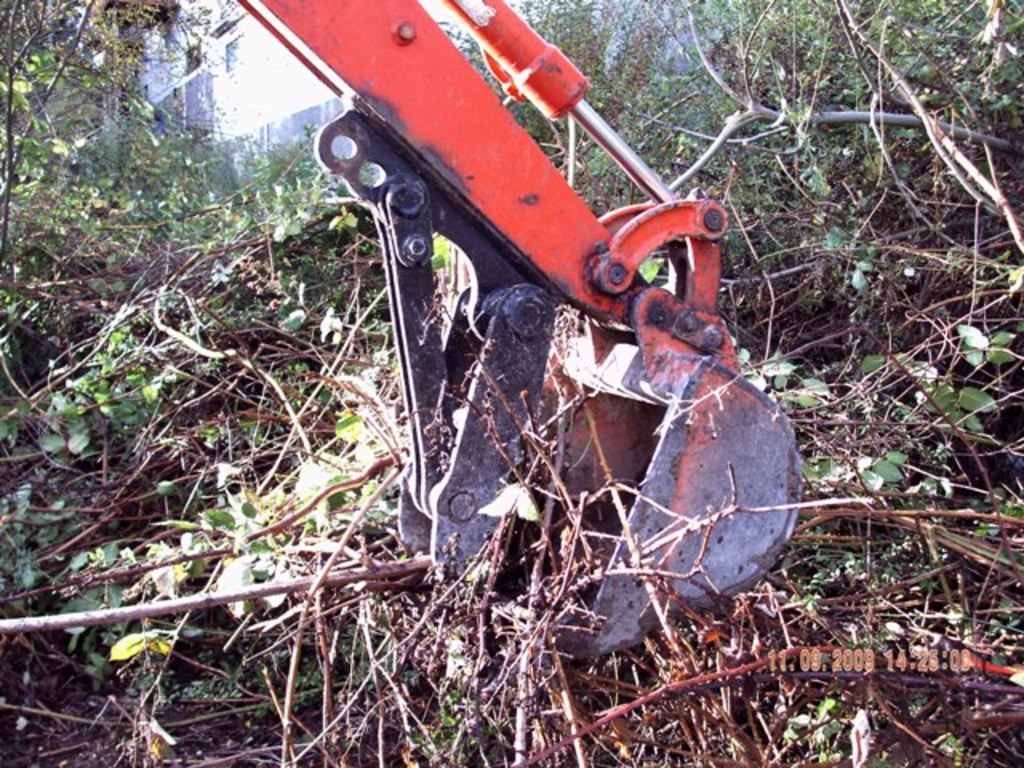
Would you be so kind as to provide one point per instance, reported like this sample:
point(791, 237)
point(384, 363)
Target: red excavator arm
point(428, 144)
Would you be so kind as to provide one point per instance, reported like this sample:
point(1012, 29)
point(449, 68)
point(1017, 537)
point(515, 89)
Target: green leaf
point(999, 353)
point(973, 338)
point(897, 458)
point(180, 525)
point(130, 646)
point(349, 427)
point(973, 424)
point(78, 442)
point(151, 392)
point(975, 401)
point(778, 368)
point(816, 386)
point(803, 399)
point(442, 258)
point(650, 269)
point(888, 471)
point(946, 399)
point(345, 220)
point(999, 356)
point(872, 363)
point(820, 469)
point(513, 498)
point(526, 507)
point(52, 443)
point(975, 357)
point(79, 561)
point(219, 519)
point(872, 480)
point(166, 488)
point(859, 281)
point(1016, 279)
point(294, 321)
point(237, 574)
point(835, 238)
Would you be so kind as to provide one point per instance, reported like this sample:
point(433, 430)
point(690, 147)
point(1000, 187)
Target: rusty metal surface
point(713, 513)
point(506, 386)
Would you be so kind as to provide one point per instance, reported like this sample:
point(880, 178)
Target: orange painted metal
point(615, 220)
point(672, 222)
point(392, 56)
point(405, 69)
point(527, 65)
point(661, 350)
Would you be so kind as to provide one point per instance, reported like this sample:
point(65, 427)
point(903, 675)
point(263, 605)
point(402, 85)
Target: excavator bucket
point(703, 519)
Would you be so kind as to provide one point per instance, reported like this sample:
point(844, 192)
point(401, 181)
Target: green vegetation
point(197, 393)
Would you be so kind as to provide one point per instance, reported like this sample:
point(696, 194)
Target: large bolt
point(462, 507)
point(657, 314)
point(408, 199)
point(528, 316)
point(712, 339)
point(714, 220)
point(415, 249)
point(617, 274)
point(686, 323)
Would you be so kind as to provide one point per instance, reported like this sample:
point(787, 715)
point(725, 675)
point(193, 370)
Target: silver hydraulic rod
point(638, 171)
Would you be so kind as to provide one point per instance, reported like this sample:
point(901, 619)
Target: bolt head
point(529, 317)
point(462, 507)
point(687, 323)
point(408, 200)
point(405, 32)
point(617, 274)
point(712, 339)
point(657, 315)
point(416, 248)
point(714, 220)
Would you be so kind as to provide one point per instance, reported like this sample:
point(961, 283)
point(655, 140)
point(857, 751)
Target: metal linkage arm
point(405, 73)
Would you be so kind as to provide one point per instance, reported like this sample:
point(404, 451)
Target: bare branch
point(710, 68)
point(733, 124)
point(755, 112)
point(738, 120)
point(377, 574)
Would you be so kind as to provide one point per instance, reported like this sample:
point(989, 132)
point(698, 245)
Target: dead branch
point(382, 574)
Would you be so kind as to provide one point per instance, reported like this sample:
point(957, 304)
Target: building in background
point(215, 69)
